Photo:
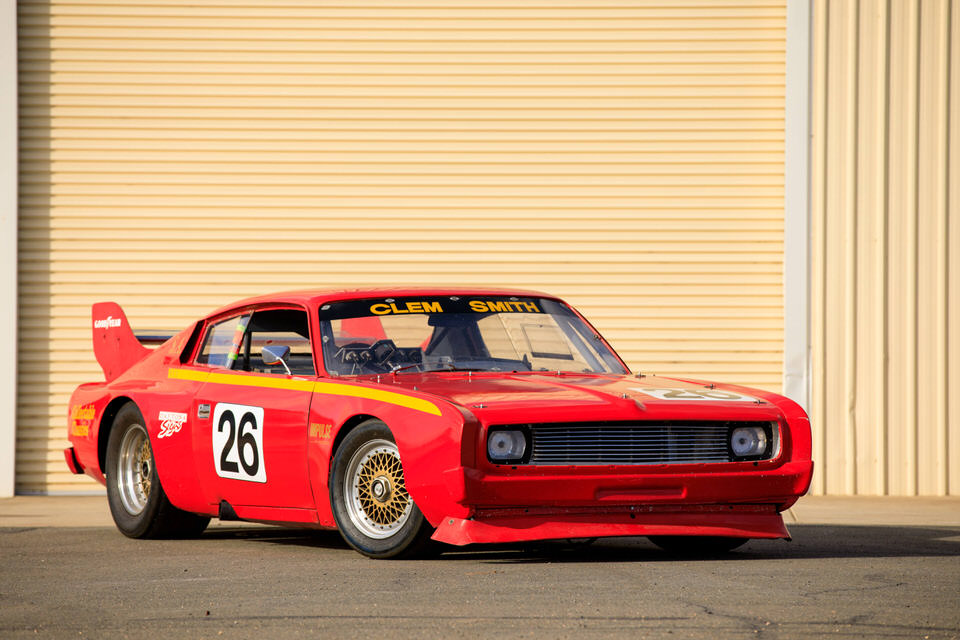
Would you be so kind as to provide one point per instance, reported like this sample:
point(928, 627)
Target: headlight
point(748, 442)
point(506, 445)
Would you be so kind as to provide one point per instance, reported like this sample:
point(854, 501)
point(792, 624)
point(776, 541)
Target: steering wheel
point(359, 356)
point(350, 353)
point(379, 352)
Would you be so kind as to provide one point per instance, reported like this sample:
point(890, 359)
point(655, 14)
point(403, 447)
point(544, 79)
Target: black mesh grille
point(636, 443)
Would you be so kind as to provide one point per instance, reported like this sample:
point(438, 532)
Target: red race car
point(406, 416)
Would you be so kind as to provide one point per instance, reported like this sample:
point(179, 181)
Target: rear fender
point(106, 425)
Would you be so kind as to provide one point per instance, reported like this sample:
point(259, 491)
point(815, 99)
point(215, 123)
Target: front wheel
point(371, 505)
point(139, 506)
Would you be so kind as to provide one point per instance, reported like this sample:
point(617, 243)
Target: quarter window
point(221, 348)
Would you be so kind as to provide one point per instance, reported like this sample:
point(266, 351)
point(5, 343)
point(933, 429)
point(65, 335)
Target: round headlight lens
point(748, 441)
point(506, 445)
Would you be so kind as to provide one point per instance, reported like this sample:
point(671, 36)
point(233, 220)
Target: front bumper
point(576, 503)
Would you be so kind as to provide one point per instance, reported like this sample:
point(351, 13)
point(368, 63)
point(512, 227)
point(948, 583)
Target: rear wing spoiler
point(114, 343)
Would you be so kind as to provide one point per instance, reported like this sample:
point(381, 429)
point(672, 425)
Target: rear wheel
point(139, 506)
point(373, 509)
point(697, 545)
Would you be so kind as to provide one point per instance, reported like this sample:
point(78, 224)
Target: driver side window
point(236, 343)
point(279, 328)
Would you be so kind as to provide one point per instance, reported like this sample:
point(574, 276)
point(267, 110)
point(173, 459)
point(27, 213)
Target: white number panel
point(238, 442)
point(695, 394)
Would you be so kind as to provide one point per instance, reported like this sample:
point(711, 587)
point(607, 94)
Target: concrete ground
point(856, 568)
point(92, 511)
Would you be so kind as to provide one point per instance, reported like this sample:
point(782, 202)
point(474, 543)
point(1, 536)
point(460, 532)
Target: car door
point(251, 436)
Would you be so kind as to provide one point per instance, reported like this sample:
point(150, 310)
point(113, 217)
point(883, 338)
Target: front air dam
point(523, 525)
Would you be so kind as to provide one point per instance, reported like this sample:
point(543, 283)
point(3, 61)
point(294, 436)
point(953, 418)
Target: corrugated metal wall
point(886, 247)
point(178, 154)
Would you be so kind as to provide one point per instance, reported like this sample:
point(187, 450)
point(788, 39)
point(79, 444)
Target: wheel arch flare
point(106, 425)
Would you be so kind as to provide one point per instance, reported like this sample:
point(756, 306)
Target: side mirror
point(276, 354)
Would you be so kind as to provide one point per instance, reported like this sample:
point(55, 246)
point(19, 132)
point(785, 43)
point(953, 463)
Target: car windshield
point(459, 333)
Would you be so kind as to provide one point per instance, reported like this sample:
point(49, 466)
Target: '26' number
point(238, 442)
point(243, 441)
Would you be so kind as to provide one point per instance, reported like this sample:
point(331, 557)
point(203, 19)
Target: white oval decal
point(696, 394)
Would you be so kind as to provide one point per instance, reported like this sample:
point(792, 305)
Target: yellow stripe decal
point(188, 374)
point(324, 388)
point(263, 382)
point(337, 389)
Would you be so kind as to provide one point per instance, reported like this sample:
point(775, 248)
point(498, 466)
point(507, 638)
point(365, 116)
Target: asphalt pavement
point(856, 568)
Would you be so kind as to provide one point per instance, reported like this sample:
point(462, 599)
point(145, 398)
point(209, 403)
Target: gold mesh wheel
point(377, 500)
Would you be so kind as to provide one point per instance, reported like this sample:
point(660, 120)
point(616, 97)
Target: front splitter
point(561, 524)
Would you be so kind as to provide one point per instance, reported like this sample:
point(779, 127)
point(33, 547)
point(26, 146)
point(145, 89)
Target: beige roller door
point(178, 154)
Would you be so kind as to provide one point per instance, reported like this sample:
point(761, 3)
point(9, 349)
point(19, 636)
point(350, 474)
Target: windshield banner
point(430, 305)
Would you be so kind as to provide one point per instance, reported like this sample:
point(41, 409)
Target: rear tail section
point(114, 344)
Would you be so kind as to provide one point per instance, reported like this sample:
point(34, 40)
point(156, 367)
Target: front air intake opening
point(650, 443)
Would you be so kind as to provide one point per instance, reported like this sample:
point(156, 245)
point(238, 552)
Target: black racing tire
point(372, 508)
point(697, 545)
point(139, 505)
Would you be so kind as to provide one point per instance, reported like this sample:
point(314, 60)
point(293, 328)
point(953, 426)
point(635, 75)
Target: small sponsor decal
point(170, 423)
point(81, 419)
point(504, 306)
point(107, 323)
point(695, 394)
point(203, 411)
point(321, 430)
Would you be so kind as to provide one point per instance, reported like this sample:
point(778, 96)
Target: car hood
point(523, 397)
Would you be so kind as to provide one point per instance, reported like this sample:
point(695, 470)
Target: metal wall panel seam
point(882, 268)
point(929, 187)
point(870, 160)
point(953, 254)
point(818, 176)
point(911, 303)
point(942, 157)
point(850, 252)
point(8, 242)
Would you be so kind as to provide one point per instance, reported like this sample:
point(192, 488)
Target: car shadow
point(278, 535)
point(809, 542)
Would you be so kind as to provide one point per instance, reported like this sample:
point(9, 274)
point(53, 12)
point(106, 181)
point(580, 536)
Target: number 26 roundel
point(238, 442)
